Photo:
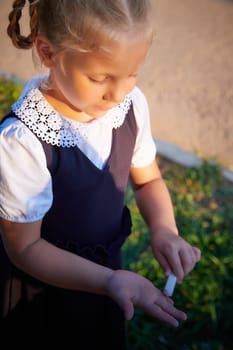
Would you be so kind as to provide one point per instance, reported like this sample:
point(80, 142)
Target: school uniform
point(74, 177)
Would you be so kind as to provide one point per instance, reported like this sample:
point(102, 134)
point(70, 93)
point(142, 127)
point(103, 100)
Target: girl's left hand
point(174, 254)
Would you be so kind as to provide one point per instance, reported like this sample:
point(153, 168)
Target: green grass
point(203, 202)
point(9, 92)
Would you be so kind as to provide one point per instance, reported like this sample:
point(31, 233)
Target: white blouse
point(25, 182)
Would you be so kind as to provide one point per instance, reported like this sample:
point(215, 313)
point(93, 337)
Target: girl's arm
point(50, 264)
point(154, 202)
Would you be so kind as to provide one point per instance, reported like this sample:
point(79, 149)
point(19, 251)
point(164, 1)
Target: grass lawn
point(203, 202)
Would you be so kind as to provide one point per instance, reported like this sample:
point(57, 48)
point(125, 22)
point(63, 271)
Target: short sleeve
point(145, 148)
point(25, 182)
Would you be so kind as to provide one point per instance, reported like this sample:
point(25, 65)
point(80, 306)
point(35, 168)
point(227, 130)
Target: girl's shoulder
point(138, 97)
point(140, 106)
point(140, 103)
point(22, 161)
point(14, 132)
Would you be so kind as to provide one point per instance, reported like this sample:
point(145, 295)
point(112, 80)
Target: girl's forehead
point(128, 42)
point(135, 49)
point(127, 55)
point(109, 42)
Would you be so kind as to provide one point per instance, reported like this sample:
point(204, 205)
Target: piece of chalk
point(170, 285)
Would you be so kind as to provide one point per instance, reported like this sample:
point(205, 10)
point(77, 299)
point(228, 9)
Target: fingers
point(164, 264)
point(171, 262)
point(130, 290)
point(163, 309)
point(189, 258)
point(179, 260)
point(197, 253)
point(188, 261)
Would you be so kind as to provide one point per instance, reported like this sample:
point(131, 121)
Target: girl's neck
point(65, 109)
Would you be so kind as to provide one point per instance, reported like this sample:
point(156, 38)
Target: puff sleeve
point(25, 182)
point(145, 148)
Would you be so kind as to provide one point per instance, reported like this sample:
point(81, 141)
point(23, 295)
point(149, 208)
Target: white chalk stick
point(170, 285)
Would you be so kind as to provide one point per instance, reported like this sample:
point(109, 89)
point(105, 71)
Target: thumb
point(197, 253)
point(128, 309)
point(164, 264)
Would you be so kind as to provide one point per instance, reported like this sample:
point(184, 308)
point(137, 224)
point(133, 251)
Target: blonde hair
point(82, 24)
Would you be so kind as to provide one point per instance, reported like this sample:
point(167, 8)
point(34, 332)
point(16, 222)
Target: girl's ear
point(45, 51)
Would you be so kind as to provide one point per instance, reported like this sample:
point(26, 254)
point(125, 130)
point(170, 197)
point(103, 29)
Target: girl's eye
point(103, 80)
point(98, 80)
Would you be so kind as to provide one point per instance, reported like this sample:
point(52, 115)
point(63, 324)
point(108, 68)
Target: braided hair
point(83, 24)
point(13, 29)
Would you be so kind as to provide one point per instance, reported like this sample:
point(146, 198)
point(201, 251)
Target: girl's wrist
point(108, 278)
point(164, 229)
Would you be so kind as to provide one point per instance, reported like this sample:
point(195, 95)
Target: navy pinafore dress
point(88, 217)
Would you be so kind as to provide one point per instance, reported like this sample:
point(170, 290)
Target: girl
point(68, 148)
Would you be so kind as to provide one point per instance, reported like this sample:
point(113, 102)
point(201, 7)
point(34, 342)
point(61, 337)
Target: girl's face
point(84, 86)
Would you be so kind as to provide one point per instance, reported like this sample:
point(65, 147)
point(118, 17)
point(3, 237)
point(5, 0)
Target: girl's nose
point(116, 92)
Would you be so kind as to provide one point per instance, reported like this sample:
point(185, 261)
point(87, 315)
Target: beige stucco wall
point(188, 77)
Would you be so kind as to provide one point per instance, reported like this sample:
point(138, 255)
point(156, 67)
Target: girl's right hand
point(130, 290)
point(60, 268)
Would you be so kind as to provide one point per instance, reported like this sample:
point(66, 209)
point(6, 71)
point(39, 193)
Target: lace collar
point(53, 128)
